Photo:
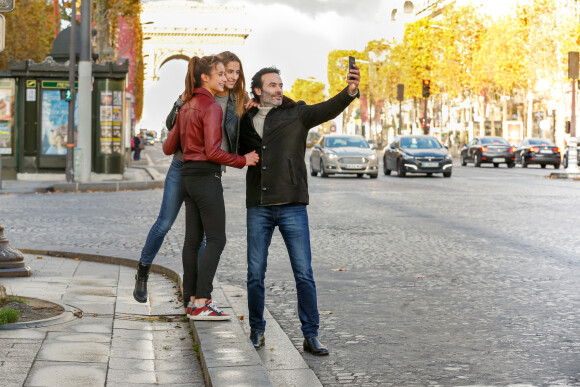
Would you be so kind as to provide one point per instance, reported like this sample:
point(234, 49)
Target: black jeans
point(204, 212)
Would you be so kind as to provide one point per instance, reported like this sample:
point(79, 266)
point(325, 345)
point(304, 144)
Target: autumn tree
point(106, 16)
point(337, 69)
point(29, 32)
point(308, 90)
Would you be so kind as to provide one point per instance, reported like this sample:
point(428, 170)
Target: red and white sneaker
point(209, 312)
point(190, 308)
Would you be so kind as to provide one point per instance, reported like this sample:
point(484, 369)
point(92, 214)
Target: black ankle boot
point(140, 292)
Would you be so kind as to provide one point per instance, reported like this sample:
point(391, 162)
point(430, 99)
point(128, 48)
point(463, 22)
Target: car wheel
point(463, 162)
point(312, 171)
point(524, 164)
point(401, 169)
point(495, 165)
point(556, 166)
point(322, 171)
point(447, 174)
point(565, 162)
point(543, 166)
point(385, 169)
point(374, 175)
point(511, 165)
point(477, 160)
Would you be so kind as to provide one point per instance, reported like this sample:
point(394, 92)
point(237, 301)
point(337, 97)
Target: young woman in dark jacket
point(198, 131)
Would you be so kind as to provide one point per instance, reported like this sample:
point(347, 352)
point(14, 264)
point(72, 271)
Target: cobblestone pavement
point(422, 281)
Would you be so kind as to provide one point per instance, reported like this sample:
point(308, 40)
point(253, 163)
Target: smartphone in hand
point(351, 63)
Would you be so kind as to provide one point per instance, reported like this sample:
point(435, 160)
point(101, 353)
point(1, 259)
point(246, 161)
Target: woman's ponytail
point(198, 66)
point(190, 83)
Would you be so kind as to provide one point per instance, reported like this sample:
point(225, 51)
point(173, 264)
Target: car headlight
point(447, 156)
point(372, 157)
point(331, 156)
point(408, 157)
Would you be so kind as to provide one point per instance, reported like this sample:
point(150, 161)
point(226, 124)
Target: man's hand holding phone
point(353, 76)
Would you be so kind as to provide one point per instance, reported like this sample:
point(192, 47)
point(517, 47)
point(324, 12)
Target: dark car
point(489, 150)
point(343, 154)
point(566, 157)
point(538, 151)
point(416, 154)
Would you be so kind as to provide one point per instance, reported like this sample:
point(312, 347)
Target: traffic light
point(426, 88)
point(66, 94)
point(400, 92)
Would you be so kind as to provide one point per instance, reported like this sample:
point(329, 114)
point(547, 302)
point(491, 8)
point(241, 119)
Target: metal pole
point(71, 103)
point(400, 118)
point(573, 146)
point(0, 171)
point(425, 130)
point(85, 80)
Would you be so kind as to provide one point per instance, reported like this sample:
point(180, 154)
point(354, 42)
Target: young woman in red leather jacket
point(198, 130)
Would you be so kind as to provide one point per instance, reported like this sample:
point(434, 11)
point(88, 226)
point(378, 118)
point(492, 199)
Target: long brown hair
point(198, 66)
point(240, 87)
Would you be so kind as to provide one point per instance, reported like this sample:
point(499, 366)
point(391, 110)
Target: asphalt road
point(422, 281)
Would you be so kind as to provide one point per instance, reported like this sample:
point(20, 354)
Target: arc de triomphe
point(181, 29)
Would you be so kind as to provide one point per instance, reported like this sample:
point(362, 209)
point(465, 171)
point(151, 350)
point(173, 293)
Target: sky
point(293, 35)
point(296, 37)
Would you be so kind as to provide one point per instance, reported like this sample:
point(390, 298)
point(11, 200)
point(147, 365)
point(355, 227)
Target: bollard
point(11, 260)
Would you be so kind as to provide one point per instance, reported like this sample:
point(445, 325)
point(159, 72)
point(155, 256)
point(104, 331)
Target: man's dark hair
point(257, 80)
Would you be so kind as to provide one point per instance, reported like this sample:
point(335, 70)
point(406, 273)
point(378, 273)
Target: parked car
point(486, 149)
point(343, 154)
point(149, 138)
point(312, 138)
point(566, 157)
point(537, 151)
point(417, 154)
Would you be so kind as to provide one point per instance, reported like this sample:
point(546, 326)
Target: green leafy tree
point(30, 32)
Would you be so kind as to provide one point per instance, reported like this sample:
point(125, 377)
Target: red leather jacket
point(198, 130)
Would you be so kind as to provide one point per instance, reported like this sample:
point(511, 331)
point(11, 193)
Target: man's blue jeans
point(170, 206)
point(292, 221)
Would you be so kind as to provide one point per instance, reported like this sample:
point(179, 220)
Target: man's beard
point(268, 100)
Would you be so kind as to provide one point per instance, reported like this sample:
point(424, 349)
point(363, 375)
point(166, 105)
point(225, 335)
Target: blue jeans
point(170, 206)
point(292, 221)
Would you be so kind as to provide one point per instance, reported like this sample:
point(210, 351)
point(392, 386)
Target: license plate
point(430, 165)
point(353, 166)
point(498, 160)
point(546, 151)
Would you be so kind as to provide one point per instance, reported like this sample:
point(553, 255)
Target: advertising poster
point(111, 121)
point(117, 114)
point(106, 130)
point(106, 98)
point(117, 98)
point(54, 122)
point(5, 104)
point(106, 113)
point(5, 135)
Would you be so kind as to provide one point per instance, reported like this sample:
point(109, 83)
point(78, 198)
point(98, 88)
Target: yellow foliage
point(307, 90)
point(30, 32)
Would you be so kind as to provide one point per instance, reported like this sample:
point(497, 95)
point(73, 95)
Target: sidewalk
point(138, 176)
point(119, 341)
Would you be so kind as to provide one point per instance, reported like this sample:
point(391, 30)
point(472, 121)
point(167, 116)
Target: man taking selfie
point(277, 192)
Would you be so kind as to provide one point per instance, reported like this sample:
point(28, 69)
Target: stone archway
point(180, 29)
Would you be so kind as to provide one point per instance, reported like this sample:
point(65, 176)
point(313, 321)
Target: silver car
point(344, 154)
